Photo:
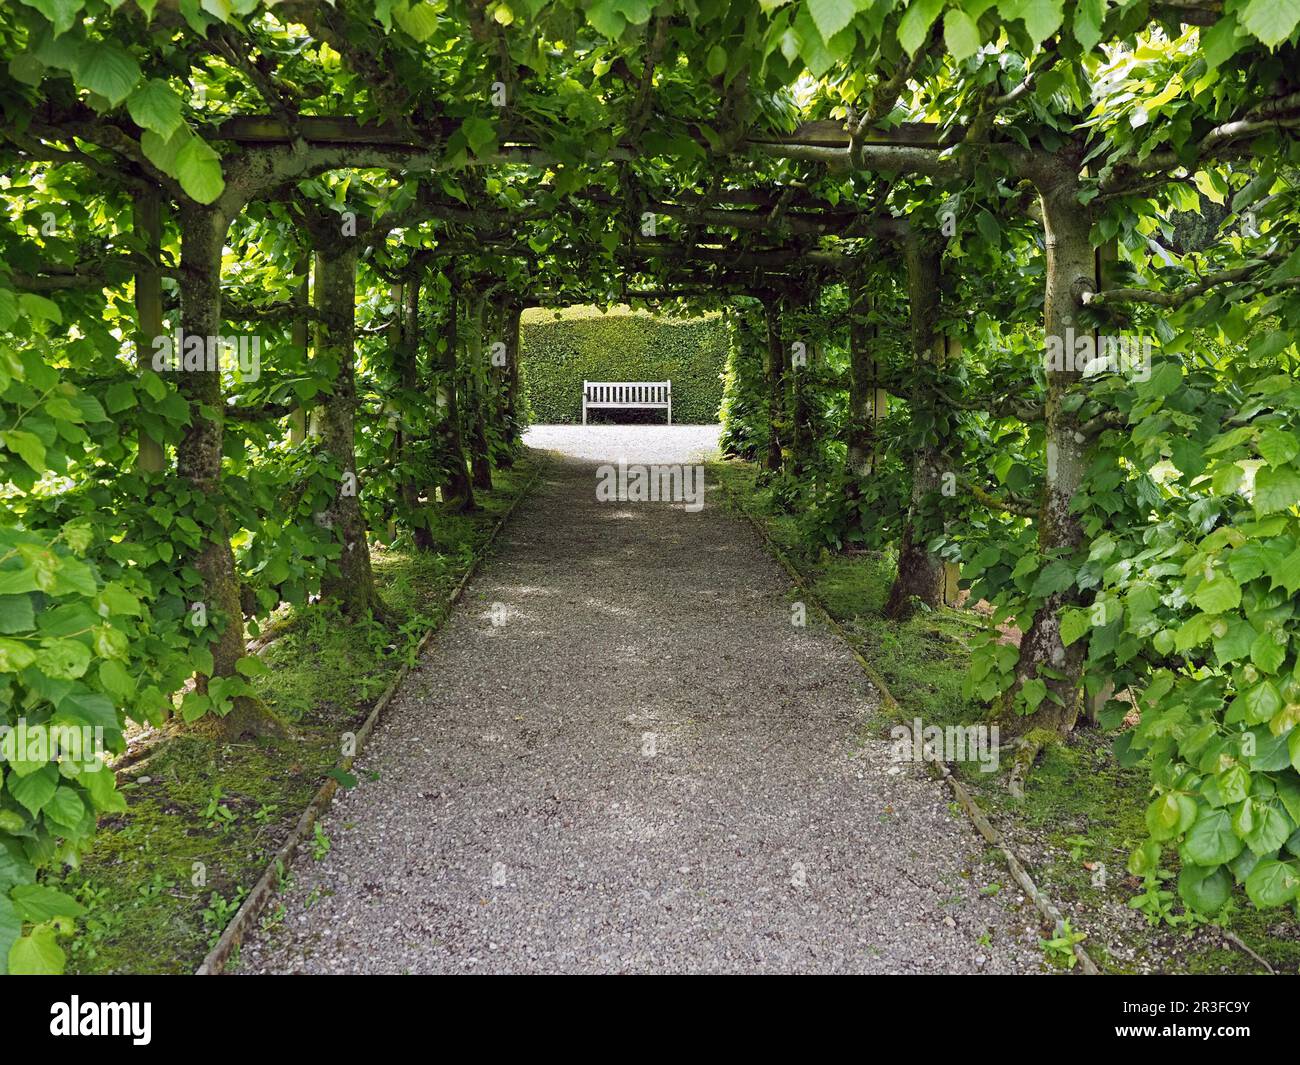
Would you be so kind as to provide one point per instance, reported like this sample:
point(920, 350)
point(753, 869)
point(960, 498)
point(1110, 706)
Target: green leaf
point(1218, 594)
point(116, 680)
point(1204, 889)
point(1277, 447)
point(1170, 815)
point(831, 16)
point(1267, 653)
point(11, 927)
point(35, 789)
point(1260, 702)
point(89, 708)
point(119, 397)
point(16, 614)
point(1233, 784)
point(1270, 830)
point(252, 666)
point(1042, 18)
point(915, 24)
point(419, 20)
point(26, 446)
point(344, 778)
point(1236, 644)
point(1211, 841)
point(62, 13)
point(1221, 42)
point(1074, 624)
point(37, 954)
point(960, 34)
point(28, 70)
point(1054, 577)
point(65, 808)
point(1272, 21)
point(63, 659)
point(154, 106)
point(1276, 488)
point(15, 656)
point(1272, 883)
point(605, 19)
point(198, 169)
point(101, 786)
point(162, 152)
point(1088, 16)
point(480, 135)
point(108, 69)
point(38, 903)
point(39, 308)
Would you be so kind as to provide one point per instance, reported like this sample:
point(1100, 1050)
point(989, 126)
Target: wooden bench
point(656, 395)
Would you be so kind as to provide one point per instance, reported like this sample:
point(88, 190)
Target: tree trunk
point(198, 464)
point(774, 371)
point(801, 355)
point(1071, 272)
point(406, 353)
point(150, 455)
point(350, 583)
point(920, 573)
point(477, 379)
point(510, 393)
point(457, 491)
point(867, 402)
point(300, 337)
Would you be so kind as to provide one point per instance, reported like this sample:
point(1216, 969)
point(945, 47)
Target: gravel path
point(643, 766)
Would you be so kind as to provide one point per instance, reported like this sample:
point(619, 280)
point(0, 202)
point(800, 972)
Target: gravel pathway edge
point(267, 884)
point(982, 825)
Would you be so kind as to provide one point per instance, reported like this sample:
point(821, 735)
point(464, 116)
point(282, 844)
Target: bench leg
point(584, 414)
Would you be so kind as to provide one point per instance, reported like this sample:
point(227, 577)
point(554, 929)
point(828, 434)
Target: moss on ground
point(162, 880)
point(1081, 812)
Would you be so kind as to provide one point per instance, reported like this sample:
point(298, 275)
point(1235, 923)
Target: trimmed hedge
point(558, 354)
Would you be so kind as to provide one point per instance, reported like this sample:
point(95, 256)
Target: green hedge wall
point(621, 345)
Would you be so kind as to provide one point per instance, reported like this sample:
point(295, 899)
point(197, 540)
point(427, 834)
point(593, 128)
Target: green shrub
point(583, 343)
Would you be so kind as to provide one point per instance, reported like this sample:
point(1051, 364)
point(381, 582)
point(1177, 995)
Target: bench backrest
point(627, 392)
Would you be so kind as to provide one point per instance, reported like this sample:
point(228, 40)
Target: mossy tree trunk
point(510, 373)
point(406, 358)
point(300, 338)
point(350, 583)
point(457, 490)
point(774, 373)
point(801, 354)
point(1071, 273)
point(478, 380)
point(198, 465)
point(867, 400)
point(920, 572)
